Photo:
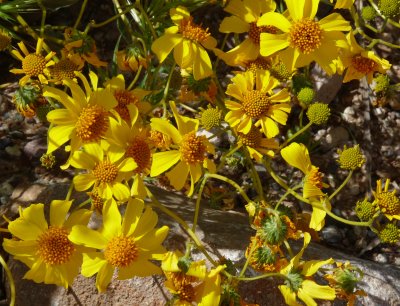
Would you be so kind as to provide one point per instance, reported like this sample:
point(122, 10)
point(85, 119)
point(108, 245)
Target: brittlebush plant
point(157, 122)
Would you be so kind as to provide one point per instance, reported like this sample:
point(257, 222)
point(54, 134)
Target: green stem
point(286, 194)
point(84, 203)
point(302, 130)
point(10, 280)
point(78, 20)
point(166, 90)
point(253, 248)
point(43, 21)
point(225, 156)
point(340, 219)
point(185, 226)
point(288, 248)
point(256, 177)
point(341, 186)
point(229, 181)
point(248, 279)
point(70, 189)
point(146, 18)
point(198, 200)
point(137, 75)
point(115, 17)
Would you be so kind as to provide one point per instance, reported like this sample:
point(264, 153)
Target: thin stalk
point(340, 219)
point(166, 90)
point(253, 248)
point(70, 189)
point(10, 280)
point(229, 181)
point(256, 177)
point(302, 130)
point(198, 200)
point(285, 195)
point(225, 156)
point(43, 21)
point(341, 186)
point(115, 17)
point(78, 20)
point(137, 75)
point(248, 279)
point(146, 18)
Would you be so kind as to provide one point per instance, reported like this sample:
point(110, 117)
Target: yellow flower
point(127, 243)
point(133, 141)
point(244, 20)
point(297, 156)
point(303, 39)
point(190, 153)
point(79, 43)
point(299, 283)
point(259, 104)
point(360, 62)
point(257, 145)
point(129, 61)
point(45, 248)
point(106, 171)
point(85, 118)
point(388, 202)
point(188, 41)
point(34, 65)
point(127, 97)
point(196, 285)
point(65, 67)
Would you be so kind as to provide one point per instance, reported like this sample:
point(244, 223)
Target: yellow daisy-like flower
point(299, 283)
point(34, 65)
point(388, 202)
point(85, 118)
point(133, 141)
point(297, 156)
point(190, 154)
point(360, 62)
point(303, 39)
point(106, 171)
point(257, 145)
point(129, 61)
point(127, 97)
point(66, 67)
point(244, 20)
point(188, 41)
point(127, 243)
point(45, 248)
point(196, 285)
point(259, 104)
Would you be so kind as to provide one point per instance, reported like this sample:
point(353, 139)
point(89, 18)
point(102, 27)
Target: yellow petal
point(147, 222)
point(92, 263)
point(104, 276)
point(162, 161)
point(30, 224)
point(277, 20)
point(58, 212)
point(289, 296)
point(310, 8)
point(233, 24)
point(132, 215)
point(58, 135)
point(202, 64)
point(183, 54)
point(112, 220)
point(63, 98)
point(78, 217)
point(167, 128)
point(82, 235)
point(163, 45)
point(296, 8)
point(271, 43)
point(317, 221)
point(238, 8)
point(120, 191)
point(83, 181)
point(334, 22)
point(139, 268)
point(178, 175)
point(62, 117)
point(311, 267)
point(312, 289)
point(297, 156)
point(20, 247)
point(153, 239)
point(185, 124)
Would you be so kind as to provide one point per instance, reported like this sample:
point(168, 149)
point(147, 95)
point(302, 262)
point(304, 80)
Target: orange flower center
point(259, 63)
point(160, 140)
point(255, 31)
point(389, 203)
point(139, 150)
point(193, 148)
point(315, 177)
point(92, 123)
point(183, 286)
point(124, 98)
point(306, 35)
point(121, 251)
point(97, 201)
point(256, 104)
point(192, 31)
point(105, 172)
point(33, 64)
point(54, 248)
point(64, 69)
point(251, 139)
point(363, 64)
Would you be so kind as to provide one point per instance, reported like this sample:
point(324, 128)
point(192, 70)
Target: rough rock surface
point(223, 233)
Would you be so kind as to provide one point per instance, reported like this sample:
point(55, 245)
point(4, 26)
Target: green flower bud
point(365, 210)
point(390, 233)
point(382, 83)
point(274, 230)
point(280, 72)
point(368, 13)
point(389, 8)
point(265, 255)
point(305, 96)
point(318, 113)
point(351, 158)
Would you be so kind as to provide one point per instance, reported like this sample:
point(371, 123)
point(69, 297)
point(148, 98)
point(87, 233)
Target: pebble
point(381, 258)
point(336, 136)
point(6, 189)
point(13, 150)
point(332, 234)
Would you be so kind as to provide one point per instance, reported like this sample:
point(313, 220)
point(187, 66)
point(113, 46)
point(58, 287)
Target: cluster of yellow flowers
point(118, 137)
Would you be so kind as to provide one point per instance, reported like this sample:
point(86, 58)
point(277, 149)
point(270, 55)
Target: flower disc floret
point(390, 233)
point(121, 251)
point(139, 150)
point(368, 13)
point(105, 172)
point(210, 118)
point(256, 104)
point(306, 95)
point(382, 82)
point(193, 148)
point(5, 40)
point(124, 98)
point(192, 31)
point(351, 158)
point(92, 123)
point(318, 113)
point(315, 177)
point(255, 31)
point(54, 248)
point(64, 69)
point(306, 35)
point(33, 64)
point(388, 202)
point(251, 139)
point(363, 64)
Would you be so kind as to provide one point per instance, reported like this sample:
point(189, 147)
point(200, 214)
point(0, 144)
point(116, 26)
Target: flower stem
point(78, 20)
point(10, 280)
point(71, 187)
point(248, 279)
point(198, 200)
point(340, 219)
point(253, 248)
point(341, 186)
point(166, 90)
point(229, 181)
point(302, 130)
point(135, 78)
